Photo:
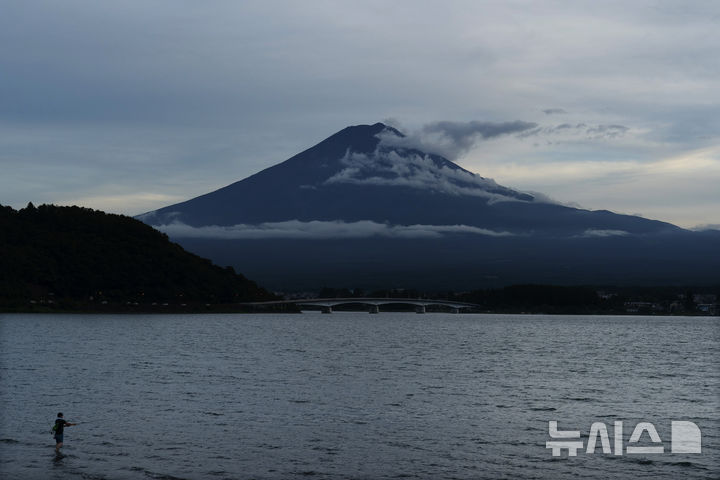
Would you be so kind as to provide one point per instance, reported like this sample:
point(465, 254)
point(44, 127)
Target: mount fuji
point(367, 208)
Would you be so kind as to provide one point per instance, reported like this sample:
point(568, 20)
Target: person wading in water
point(59, 428)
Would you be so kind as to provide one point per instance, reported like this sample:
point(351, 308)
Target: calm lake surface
point(351, 395)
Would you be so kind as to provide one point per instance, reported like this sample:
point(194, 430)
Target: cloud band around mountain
point(388, 168)
point(317, 229)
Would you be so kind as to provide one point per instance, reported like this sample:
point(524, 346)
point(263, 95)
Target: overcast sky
point(134, 105)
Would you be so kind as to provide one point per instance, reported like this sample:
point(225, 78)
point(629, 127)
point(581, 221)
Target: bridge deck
point(333, 302)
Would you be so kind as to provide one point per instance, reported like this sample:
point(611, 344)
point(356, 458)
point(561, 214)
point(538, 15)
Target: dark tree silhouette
point(84, 255)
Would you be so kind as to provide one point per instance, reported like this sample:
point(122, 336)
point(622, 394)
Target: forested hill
point(80, 258)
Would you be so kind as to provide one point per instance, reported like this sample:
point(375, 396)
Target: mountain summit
point(368, 208)
point(368, 173)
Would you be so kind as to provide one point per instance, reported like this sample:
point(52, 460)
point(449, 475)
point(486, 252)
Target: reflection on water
point(350, 395)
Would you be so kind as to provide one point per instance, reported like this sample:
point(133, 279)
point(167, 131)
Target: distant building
point(605, 295)
point(709, 308)
point(637, 307)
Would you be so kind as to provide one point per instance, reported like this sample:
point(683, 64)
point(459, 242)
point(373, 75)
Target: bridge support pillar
point(420, 309)
point(455, 310)
point(374, 309)
point(326, 309)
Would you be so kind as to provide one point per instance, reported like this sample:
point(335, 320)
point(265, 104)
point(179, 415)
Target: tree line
point(76, 257)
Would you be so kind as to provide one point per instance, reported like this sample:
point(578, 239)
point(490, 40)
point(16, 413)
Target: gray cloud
point(453, 139)
point(553, 111)
point(607, 131)
point(321, 230)
point(579, 130)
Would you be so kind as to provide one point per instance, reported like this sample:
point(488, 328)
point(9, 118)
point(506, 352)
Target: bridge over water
point(326, 304)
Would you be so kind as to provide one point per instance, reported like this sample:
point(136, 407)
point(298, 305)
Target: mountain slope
point(364, 208)
point(358, 175)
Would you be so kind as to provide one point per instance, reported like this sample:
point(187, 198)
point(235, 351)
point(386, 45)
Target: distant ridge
point(72, 257)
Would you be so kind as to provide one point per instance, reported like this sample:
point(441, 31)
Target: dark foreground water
point(351, 395)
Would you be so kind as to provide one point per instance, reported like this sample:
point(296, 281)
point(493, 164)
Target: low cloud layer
point(605, 233)
point(706, 226)
point(453, 139)
point(295, 229)
point(388, 168)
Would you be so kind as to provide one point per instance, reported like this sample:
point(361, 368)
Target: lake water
point(351, 395)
